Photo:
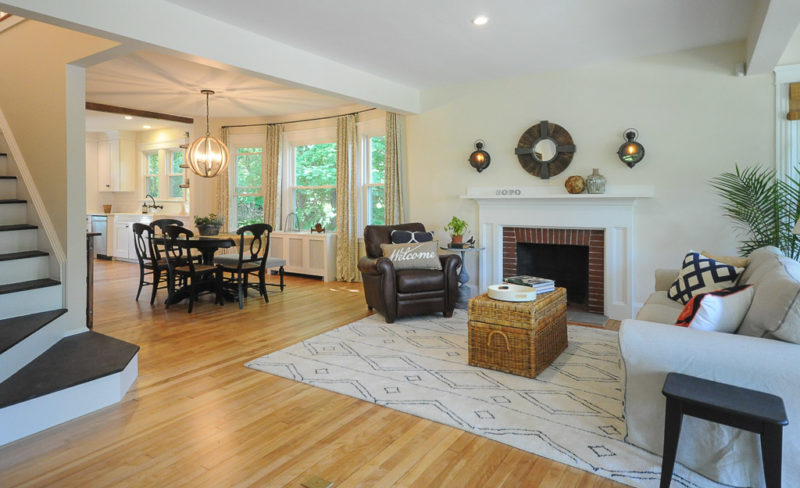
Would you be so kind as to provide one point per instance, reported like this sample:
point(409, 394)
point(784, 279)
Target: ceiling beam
point(112, 109)
point(771, 29)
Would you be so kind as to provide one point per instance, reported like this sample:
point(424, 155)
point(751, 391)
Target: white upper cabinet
point(116, 161)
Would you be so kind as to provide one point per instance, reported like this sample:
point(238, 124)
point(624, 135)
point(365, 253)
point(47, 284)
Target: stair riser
point(26, 418)
point(16, 270)
point(4, 166)
point(30, 301)
point(13, 213)
point(31, 347)
point(18, 241)
point(8, 189)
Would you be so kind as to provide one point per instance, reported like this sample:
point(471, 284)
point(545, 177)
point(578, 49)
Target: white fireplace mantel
point(552, 207)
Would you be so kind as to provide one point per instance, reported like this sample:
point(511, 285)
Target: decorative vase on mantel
point(595, 182)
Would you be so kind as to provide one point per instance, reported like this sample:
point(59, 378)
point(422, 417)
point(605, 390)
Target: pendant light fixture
point(207, 156)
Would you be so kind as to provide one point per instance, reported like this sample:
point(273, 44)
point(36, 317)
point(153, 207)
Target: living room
point(694, 113)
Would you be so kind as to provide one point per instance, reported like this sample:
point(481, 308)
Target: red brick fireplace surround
point(593, 238)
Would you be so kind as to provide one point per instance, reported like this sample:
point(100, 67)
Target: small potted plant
point(208, 225)
point(456, 228)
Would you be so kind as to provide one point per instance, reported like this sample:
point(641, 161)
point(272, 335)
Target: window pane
point(377, 205)
point(377, 163)
point(315, 164)
point(315, 205)
point(175, 190)
point(177, 161)
point(249, 210)
point(248, 170)
point(151, 185)
point(152, 164)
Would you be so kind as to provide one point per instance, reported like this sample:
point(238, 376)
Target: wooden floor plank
point(197, 417)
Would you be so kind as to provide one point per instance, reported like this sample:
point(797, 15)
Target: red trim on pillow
point(690, 310)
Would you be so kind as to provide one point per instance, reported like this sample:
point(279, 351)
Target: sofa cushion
point(416, 280)
point(701, 275)
point(756, 260)
point(775, 311)
point(659, 308)
point(717, 311)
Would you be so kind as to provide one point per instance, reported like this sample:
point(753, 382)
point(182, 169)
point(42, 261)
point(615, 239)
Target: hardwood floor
point(197, 417)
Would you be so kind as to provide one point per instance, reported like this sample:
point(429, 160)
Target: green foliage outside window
point(249, 210)
point(151, 181)
point(315, 165)
point(377, 170)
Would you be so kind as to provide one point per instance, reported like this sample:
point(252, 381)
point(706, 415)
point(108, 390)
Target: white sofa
point(763, 355)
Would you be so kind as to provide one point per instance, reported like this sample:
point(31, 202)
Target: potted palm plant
point(208, 225)
point(456, 228)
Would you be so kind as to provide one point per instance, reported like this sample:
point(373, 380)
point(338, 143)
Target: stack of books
point(541, 285)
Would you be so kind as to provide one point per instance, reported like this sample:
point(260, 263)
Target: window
point(313, 189)
point(375, 183)
point(163, 175)
point(248, 192)
point(175, 174)
point(151, 174)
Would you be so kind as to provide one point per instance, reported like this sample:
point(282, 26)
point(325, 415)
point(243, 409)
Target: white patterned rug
point(571, 413)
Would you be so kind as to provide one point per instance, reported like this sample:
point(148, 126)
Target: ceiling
point(155, 82)
point(424, 43)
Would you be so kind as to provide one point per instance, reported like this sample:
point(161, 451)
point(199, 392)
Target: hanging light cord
point(208, 132)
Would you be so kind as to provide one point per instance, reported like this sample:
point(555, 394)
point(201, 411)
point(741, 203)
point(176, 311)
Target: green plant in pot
point(208, 225)
point(764, 208)
point(456, 228)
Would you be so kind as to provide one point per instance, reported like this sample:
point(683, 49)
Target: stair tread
point(22, 255)
point(8, 177)
point(73, 360)
point(4, 228)
point(28, 285)
point(16, 329)
point(11, 200)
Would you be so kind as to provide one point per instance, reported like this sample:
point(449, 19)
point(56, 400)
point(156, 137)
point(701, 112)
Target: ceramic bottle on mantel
point(595, 182)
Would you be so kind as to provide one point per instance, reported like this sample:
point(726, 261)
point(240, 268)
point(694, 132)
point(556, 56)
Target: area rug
point(571, 413)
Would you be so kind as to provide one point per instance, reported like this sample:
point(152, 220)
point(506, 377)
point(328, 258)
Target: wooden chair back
point(158, 227)
point(258, 247)
point(143, 244)
point(176, 254)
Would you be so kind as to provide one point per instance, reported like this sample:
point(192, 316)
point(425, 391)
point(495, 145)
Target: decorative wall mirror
point(545, 149)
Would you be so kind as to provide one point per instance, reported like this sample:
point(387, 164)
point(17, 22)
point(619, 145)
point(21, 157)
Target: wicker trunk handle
point(489, 340)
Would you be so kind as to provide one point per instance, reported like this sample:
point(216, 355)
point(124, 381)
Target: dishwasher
point(99, 224)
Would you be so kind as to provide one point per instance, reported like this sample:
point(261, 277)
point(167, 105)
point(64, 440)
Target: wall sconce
point(479, 159)
point(631, 152)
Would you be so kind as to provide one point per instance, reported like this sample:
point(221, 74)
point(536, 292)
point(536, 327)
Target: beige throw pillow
point(735, 261)
point(421, 255)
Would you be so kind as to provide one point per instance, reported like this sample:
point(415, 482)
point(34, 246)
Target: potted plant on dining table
point(208, 225)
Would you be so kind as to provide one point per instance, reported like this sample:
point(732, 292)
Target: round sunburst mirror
point(545, 149)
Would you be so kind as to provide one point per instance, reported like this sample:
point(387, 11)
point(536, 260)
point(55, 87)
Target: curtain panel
point(393, 181)
point(221, 204)
point(271, 175)
point(346, 194)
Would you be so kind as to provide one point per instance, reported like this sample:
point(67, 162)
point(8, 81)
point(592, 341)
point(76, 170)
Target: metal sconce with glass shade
point(631, 152)
point(207, 156)
point(479, 159)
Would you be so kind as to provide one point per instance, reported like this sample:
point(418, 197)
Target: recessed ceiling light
point(128, 117)
point(146, 126)
point(480, 20)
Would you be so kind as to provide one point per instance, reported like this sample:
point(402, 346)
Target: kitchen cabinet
point(116, 161)
point(306, 253)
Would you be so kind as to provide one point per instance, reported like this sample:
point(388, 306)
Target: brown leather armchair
point(396, 293)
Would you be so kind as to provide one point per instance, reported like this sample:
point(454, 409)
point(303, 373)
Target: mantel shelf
point(556, 194)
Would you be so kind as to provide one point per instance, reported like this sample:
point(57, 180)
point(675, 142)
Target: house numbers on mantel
point(508, 192)
point(545, 149)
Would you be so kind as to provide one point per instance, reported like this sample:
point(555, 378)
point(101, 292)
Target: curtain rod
point(296, 121)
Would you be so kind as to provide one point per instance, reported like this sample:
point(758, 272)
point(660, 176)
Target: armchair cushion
point(416, 280)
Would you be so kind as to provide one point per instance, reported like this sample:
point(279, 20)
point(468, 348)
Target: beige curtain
point(346, 192)
point(394, 190)
point(221, 205)
point(271, 175)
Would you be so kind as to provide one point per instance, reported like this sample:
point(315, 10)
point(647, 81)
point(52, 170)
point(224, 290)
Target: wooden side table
point(745, 409)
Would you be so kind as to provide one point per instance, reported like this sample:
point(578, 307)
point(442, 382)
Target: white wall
point(696, 119)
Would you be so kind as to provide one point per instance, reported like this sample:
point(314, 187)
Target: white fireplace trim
point(551, 207)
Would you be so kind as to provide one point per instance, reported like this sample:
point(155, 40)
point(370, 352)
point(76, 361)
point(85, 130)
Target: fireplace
point(571, 257)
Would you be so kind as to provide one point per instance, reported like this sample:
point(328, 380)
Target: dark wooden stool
point(745, 409)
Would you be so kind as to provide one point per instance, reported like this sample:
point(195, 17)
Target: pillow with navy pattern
point(410, 237)
point(701, 275)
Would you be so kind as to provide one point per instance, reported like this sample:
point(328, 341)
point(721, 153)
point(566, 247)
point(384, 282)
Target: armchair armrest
point(665, 278)
point(375, 266)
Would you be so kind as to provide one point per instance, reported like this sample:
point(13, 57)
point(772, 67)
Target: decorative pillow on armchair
point(422, 255)
point(719, 311)
point(410, 237)
point(701, 275)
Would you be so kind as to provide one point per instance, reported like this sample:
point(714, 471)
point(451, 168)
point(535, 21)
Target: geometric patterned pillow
point(410, 237)
point(700, 275)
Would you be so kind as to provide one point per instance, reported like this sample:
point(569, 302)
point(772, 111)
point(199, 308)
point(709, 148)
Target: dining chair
point(182, 265)
point(252, 259)
point(149, 263)
point(158, 227)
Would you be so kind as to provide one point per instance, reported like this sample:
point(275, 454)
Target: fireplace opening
point(567, 265)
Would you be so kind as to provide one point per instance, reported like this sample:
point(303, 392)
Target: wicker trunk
point(521, 338)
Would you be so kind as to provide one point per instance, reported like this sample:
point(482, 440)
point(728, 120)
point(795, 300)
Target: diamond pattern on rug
point(571, 413)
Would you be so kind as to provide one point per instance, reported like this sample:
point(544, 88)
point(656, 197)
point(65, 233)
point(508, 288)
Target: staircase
point(45, 377)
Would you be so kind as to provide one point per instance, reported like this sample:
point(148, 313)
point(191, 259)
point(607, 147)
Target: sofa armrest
point(650, 351)
point(665, 278)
